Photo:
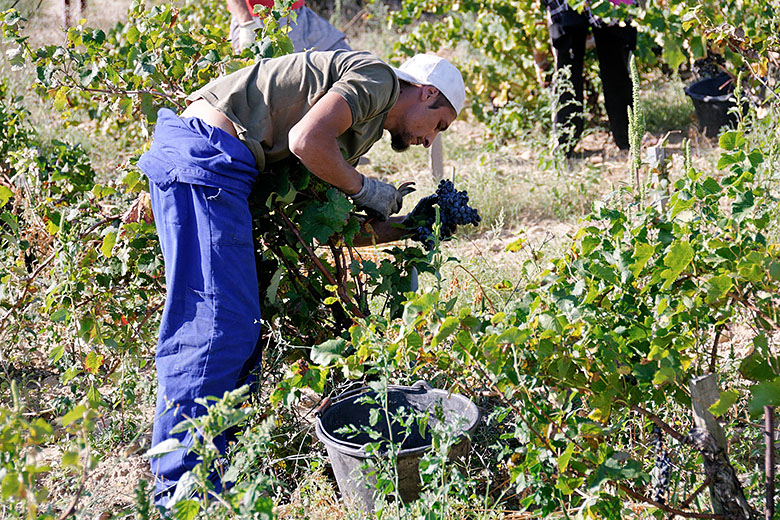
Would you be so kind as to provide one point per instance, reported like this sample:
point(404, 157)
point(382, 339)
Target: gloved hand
point(422, 212)
point(422, 217)
point(379, 199)
point(246, 33)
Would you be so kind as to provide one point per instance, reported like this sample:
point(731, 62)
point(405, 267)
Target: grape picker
point(326, 108)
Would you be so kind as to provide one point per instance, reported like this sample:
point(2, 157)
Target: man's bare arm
point(239, 9)
point(375, 232)
point(314, 140)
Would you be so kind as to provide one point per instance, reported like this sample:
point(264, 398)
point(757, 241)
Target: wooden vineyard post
point(80, 6)
point(728, 498)
point(437, 160)
point(769, 460)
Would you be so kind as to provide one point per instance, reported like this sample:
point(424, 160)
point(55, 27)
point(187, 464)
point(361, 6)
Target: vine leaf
point(321, 221)
point(326, 353)
point(766, 393)
point(718, 287)
point(5, 195)
point(677, 259)
point(642, 253)
point(725, 401)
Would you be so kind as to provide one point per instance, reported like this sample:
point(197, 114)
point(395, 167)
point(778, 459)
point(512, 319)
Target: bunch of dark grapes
point(454, 211)
point(662, 470)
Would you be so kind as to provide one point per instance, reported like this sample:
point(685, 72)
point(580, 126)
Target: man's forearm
point(375, 232)
point(239, 9)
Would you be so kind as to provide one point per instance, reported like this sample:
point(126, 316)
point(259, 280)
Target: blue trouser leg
point(211, 321)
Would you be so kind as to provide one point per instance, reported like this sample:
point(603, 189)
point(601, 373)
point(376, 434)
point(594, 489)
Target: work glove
point(247, 33)
point(380, 199)
point(421, 219)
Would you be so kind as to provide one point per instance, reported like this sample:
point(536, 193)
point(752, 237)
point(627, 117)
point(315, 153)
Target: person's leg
point(569, 49)
point(211, 319)
point(311, 31)
point(614, 46)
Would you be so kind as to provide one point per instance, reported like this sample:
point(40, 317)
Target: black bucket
point(347, 451)
point(713, 98)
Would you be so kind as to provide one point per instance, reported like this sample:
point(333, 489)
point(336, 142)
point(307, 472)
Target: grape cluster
point(454, 211)
point(662, 470)
point(709, 66)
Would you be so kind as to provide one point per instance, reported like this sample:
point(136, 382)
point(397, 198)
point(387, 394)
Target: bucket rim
point(359, 450)
point(707, 98)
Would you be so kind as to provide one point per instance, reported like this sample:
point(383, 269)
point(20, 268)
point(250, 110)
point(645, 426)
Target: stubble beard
point(399, 142)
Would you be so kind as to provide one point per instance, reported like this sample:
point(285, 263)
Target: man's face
point(422, 123)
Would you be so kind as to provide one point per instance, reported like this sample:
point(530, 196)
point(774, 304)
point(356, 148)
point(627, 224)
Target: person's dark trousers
point(614, 46)
point(569, 45)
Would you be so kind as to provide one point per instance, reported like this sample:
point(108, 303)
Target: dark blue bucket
point(713, 99)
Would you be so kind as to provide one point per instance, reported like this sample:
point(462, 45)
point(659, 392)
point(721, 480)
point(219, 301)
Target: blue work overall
point(200, 180)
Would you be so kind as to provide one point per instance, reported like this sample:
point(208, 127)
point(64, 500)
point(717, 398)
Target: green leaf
point(108, 244)
point(321, 221)
point(756, 368)
point(133, 34)
point(766, 393)
point(5, 195)
point(613, 469)
point(563, 460)
point(718, 287)
point(70, 458)
point(166, 446)
point(673, 53)
point(11, 484)
point(664, 375)
point(326, 353)
point(74, 415)
point(727, 159)
point(774, 270)
point(59, 315)
point(744, 203)
point(186, 509)
point(373, 417)
point(726, 400)
point(731, 140)
point(447, 327)
point(677, 259)
point(516, 245)
point(642, 253)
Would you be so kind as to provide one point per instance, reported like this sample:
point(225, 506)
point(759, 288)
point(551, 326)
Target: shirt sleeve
point(369, 90)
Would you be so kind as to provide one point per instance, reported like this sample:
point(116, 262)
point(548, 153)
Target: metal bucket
point(348, 454)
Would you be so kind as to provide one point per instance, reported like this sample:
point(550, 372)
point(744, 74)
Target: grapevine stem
point(342, 294)
point(482, 289)
point(659, 422)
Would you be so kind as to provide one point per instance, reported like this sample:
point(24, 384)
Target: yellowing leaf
point(108, 244)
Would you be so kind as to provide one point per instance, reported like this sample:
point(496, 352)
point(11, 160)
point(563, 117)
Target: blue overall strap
point(211, 321)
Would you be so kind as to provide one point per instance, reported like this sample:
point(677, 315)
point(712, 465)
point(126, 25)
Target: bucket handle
point(327, 402)
point(422, 385)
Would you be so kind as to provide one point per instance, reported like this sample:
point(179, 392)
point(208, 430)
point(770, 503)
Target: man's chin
point(398, 144)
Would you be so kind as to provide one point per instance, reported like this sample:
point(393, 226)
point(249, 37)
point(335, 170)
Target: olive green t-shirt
point(264, 101)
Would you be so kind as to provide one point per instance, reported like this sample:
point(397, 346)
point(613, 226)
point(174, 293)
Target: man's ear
point(428, 92)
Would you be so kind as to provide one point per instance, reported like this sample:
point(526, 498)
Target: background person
point(326, 108)
point(615, 41)
point(308, 31)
